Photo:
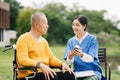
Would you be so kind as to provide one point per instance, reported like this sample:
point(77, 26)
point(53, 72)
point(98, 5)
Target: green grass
point(6, 65)
point(112, 50)
point(58, 51)
point(6, 58)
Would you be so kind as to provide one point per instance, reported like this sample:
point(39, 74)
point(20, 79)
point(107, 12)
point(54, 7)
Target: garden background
point(60, 21)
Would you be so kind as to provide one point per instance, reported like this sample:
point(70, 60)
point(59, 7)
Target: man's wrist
point(38, 65)
point(62, 64)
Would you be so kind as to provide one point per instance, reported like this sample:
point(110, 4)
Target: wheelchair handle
point(8, 47)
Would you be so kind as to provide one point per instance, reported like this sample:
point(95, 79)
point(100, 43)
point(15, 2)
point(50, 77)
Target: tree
point(14, 11)
point(96, 21)
point(60, 22)
point(58, 25)
point(23, 20)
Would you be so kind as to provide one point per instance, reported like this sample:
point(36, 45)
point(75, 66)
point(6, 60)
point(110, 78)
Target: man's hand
point(66, 68)
point(47, 71)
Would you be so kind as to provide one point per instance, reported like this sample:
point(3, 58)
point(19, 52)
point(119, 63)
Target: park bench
point(103, 60)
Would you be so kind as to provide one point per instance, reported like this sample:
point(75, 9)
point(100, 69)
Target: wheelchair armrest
point(109, 70)
point(28, 68)
point(35, 69)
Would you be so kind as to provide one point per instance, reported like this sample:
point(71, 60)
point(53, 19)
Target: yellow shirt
point(30, 52)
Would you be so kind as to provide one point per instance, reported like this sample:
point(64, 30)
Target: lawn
point(6, 65)
point(6, 58)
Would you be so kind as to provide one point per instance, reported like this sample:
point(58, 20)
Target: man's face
point(43, 25)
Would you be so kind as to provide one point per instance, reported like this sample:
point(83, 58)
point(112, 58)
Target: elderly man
point(33, 50)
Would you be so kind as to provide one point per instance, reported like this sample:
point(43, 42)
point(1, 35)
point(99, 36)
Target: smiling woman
point(82, 51)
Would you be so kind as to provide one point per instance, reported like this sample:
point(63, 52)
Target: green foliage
point(96, 21)
point(12, 40)
point(60, 21)
point(14, 11)
point(23, 20)
point(105, 38)
point(58, 25)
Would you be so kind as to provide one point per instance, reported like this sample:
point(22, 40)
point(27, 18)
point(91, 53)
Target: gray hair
point(36, 17)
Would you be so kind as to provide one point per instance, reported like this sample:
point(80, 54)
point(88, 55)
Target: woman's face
point(77, 27)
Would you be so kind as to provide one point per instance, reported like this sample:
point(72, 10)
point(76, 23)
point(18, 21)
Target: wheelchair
point(15, 69)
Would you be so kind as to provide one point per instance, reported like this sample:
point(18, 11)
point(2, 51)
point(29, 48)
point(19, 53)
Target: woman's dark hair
point(83, 20)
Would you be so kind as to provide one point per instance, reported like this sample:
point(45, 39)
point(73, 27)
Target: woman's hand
point(71, 54)
point(78, 52)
